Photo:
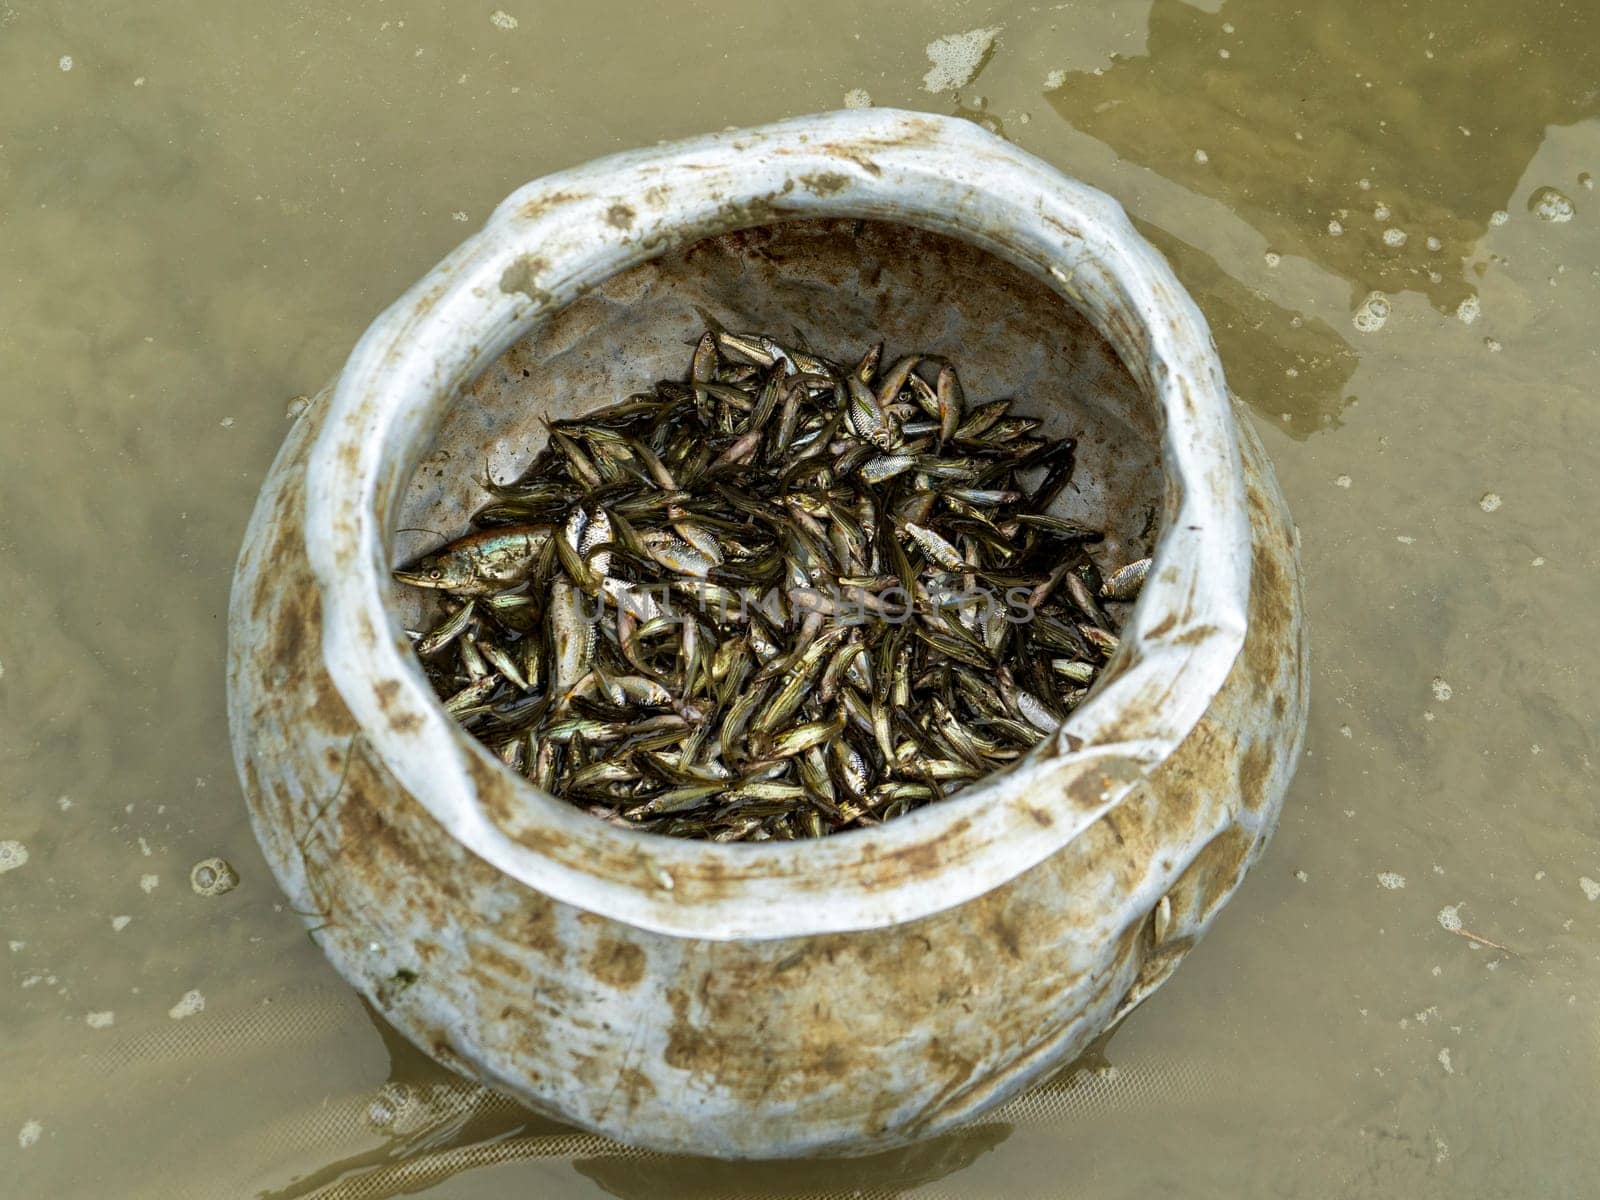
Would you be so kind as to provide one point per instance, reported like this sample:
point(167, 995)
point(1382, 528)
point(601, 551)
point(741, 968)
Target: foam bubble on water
point(1224, 54)
point(1201, 157)
point(502, 20)
point(1273, 258)
point(1054, 80)
point(213, 877)
point(1499, 217)
point(1444, 1061)
point(1391, 880)
point(1489, 501)
point(65, 62)
point(1590, 888)
point(1394, 237)
point(1381, 213)
point(1372, 312)
point(1450, 918)
point(29, 1133)
point(1343, 481)
point(149, 883)
point(13, 854)
point(1364, 184)
point(858, 98)
point(957, 58)
point(119, 923)
point(1441, 689)
point(100, 1020)
point(1433, 243)
point(190, 1003)
point(1467, 310)
point(1550, 205)
point(1335, 229)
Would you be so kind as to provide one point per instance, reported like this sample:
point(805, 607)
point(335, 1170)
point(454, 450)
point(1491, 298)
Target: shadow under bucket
point(832, 996)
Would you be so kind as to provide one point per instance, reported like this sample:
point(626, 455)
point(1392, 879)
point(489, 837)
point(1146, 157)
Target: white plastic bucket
point(832, 996)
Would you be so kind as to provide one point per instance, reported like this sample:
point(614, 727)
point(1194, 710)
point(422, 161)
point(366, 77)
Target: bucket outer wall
point(823, 1041)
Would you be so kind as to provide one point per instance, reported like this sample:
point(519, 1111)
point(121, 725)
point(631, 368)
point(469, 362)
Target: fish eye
point(436, 574)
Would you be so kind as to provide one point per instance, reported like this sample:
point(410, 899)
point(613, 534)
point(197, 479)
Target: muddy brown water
point(201, 207)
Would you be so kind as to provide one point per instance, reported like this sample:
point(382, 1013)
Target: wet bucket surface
point(752, 1001)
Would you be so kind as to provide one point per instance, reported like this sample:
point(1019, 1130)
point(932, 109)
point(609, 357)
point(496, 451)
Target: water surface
point(201, 207)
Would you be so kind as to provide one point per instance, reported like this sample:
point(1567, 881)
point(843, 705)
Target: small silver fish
point(1125, 583)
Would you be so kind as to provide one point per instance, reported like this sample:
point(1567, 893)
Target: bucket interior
point(842, 284)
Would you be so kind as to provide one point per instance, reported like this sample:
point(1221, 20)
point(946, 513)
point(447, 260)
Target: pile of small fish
point(776, 600)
